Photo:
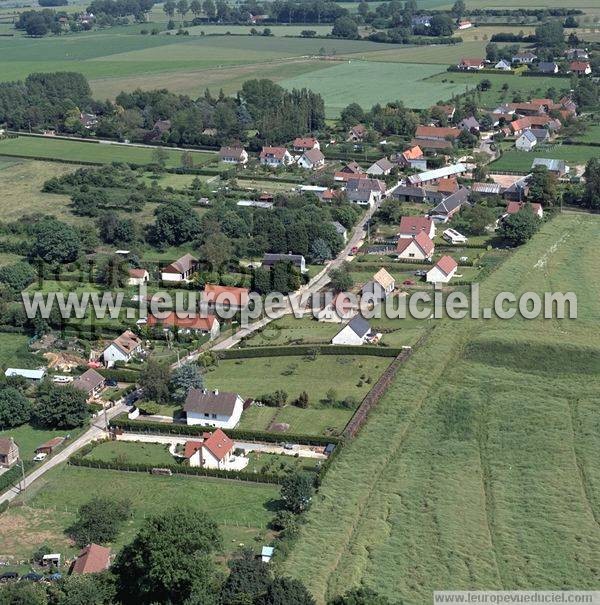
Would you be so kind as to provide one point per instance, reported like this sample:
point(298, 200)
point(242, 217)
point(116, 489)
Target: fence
point(380, 388)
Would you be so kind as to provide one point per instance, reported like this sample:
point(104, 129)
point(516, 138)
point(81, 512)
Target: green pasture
point(478, 466)
point(520, 161)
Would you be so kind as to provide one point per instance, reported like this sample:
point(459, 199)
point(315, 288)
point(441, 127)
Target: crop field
point(527, 87)
point(242, 510)
point(459, 480)
point(520, 161)
point(367, 83)
point(99, 153)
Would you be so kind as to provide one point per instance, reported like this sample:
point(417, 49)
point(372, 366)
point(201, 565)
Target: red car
point(408, 282)
point(354, 250)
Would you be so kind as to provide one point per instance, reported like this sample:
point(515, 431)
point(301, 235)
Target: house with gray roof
point(447, 208)
point(355, 332)
point(213, 408)
point(558, 167)
point(297, 260)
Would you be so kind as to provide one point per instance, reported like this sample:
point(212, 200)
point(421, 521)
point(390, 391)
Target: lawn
point(503, 494)
point(289, 330)
point(132, 452)
point(280, 464)
point(253, 377)
point(520, 161)
point(29, 438)
point(15, 353)
point(79, 151)
point(242, 510)
point(369, 82)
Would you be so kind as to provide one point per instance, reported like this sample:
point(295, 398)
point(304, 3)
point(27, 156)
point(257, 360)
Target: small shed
point(267, 553)
point(51, 559)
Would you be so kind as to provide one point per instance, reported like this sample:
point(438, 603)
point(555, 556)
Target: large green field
point(49, 506)
point(520, 161)
point(367, 83)
point(478, 468)
point(81, 151)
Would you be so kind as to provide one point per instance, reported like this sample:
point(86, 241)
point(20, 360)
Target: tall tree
point(183, 379)
point(59, 407)
point(155, 380)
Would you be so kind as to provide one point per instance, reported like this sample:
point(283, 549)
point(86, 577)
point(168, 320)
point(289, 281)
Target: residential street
point(95, 431)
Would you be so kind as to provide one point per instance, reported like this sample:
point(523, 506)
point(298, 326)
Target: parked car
point(111, 382)
point(40, 457)
point(8, 576)
point(288, 446)
point(408, 282)
point(32, 577)
point(420, 273)
point(354, 250)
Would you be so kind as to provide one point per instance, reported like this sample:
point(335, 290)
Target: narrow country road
point(95, 431)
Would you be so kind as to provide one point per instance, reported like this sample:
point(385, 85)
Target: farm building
point(213, 408)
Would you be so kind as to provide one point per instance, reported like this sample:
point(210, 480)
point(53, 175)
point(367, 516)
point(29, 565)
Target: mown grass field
point(520, 161)
point(14, 352)
point(132, 452)
point(503, 494)
point(367, 83)
point(29, 438)
point(242, 510)
point(81, 151)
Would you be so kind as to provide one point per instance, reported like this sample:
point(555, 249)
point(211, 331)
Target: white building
point(123, 348)
point(454, 237)
point(181, 270)
point(214, 451)
point(233, 155)
point(526, 142)
point(381, 167)
point(443, 271)
point(355, 332)
point(419, 247)
point(275, 157)
point(138, 277)
point(24, 373)
point(381, 286)
point(213, 408)
point(312, 159)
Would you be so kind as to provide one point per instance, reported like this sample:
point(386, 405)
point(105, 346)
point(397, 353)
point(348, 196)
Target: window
point(411, 254)
point(214, 415)
point(206, 415)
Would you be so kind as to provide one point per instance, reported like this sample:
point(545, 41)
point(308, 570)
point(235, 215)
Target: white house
point(214, 451)
point(381, 167)
point(275, 157)
point(297, 260)
point(213, 408)
point(181, 270)
point(123, 348)
point(312, 159)
point(233, 155)
point(138, 277)
point(526, 142)
point(503, 65)
point(381, 286)
point(419, 247)
point(355, 332)
point(443, 271)
point(303, 144)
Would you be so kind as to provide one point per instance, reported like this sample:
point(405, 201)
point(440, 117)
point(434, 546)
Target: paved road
point(314, 285)
point(96, 431)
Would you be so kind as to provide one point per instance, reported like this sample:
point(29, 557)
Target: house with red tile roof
point(580, 68)
point(192, 323)
point(437, 133)
point(214, 451)
point(514, 207)
point(225, 296)
point(275, 157)
point(92, 559)
point(419, 247)
point(443, 271)
point(411, 226)
point(471, 64)
point(137, 277)
point(305, 143)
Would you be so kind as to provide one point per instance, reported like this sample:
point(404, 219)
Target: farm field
point(527, 87)
point(520, 161)
point(242, 510)
point(474, 484)
point(99, 153)
point(367, 83)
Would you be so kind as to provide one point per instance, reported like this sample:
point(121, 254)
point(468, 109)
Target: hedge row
point(13, 475)
point(177, 469)
point(289, 351)
point(132, 375)
point(134, 426)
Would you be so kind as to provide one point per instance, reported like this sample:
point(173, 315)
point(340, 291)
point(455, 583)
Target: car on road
point(40, 457)
point(354, 250)
point(288, 446)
